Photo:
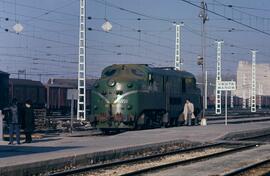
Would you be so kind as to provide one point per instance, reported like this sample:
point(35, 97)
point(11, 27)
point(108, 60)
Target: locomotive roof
point(3, 73)
point(169, 71)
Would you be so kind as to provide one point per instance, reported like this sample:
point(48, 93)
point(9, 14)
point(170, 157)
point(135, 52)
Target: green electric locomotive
point(136, 96)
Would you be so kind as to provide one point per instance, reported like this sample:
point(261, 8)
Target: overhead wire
point(145, 15)
point(168, 20)
point(134, 12)
point(53, 10)
point(227, 18)
point(39, 8)
point(100, 49)
point(56, 41)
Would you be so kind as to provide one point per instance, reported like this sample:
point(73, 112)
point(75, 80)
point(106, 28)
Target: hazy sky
point(142, 33)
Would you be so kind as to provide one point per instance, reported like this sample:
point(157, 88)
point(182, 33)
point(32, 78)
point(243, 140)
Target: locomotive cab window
point(190, 83)
point(109, 73)
point(137, 72)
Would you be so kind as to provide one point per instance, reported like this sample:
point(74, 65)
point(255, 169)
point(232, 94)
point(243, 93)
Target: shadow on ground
point(15, 150)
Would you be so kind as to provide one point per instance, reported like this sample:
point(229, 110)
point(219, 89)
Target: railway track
point(238, 112)
point(261, 168)
point(156, 162)
point(237, 119)
point(258, 138)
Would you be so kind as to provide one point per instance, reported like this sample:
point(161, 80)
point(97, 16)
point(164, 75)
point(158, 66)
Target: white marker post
point(72, 95)
point(1, 125)
point(226, 86)
point(71, 114)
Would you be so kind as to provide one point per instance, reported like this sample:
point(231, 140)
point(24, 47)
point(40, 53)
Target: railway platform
point(53, 152)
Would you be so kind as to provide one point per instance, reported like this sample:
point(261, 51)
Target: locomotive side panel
point(178, 90)
point(174, 96)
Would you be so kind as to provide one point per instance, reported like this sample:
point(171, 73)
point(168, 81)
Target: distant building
point(244, 79)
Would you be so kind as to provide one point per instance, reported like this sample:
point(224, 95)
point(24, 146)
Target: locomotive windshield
point(123, 70)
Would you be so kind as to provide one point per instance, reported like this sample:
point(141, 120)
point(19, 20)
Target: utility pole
point(232, 99)
point(204, 18)
point(253, 82)
point(244, 91)
point(178, 59)
point(81, 107)
point(206, 89)
point(218, 78)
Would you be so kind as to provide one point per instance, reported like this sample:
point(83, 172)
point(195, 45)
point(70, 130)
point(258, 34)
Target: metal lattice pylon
point(253, 82)
point(81, 108)
point(218, 78)
point(260, 92)
point(249, 98)
point(178, 60)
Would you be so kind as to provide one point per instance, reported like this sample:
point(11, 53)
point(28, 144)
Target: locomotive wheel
point(172, 122)
point(106, 131)
point(148, 122)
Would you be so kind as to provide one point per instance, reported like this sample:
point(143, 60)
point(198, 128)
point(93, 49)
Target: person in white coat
point(188, 112)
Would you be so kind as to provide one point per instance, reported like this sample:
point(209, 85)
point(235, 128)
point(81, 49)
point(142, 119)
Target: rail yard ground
point(61, 152)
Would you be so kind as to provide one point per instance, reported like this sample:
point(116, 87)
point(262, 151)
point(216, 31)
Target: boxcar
point(23, 89)
point(57, 101)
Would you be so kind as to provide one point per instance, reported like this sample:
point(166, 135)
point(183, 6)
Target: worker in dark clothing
point(28, 121)
point(14, 121)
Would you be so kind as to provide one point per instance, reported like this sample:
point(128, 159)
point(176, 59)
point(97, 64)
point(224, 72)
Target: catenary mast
point(81, 107)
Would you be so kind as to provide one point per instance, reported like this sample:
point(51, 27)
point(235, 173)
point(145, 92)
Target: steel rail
point(253, 137)
point(112, 164)
point(246, 168)
point(188, 161)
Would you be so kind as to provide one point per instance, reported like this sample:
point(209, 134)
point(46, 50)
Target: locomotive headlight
point(129, 85)
point(129, 107)
point(111, 82)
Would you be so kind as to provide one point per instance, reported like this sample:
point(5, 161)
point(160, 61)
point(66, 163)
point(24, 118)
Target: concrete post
point(226, 108)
